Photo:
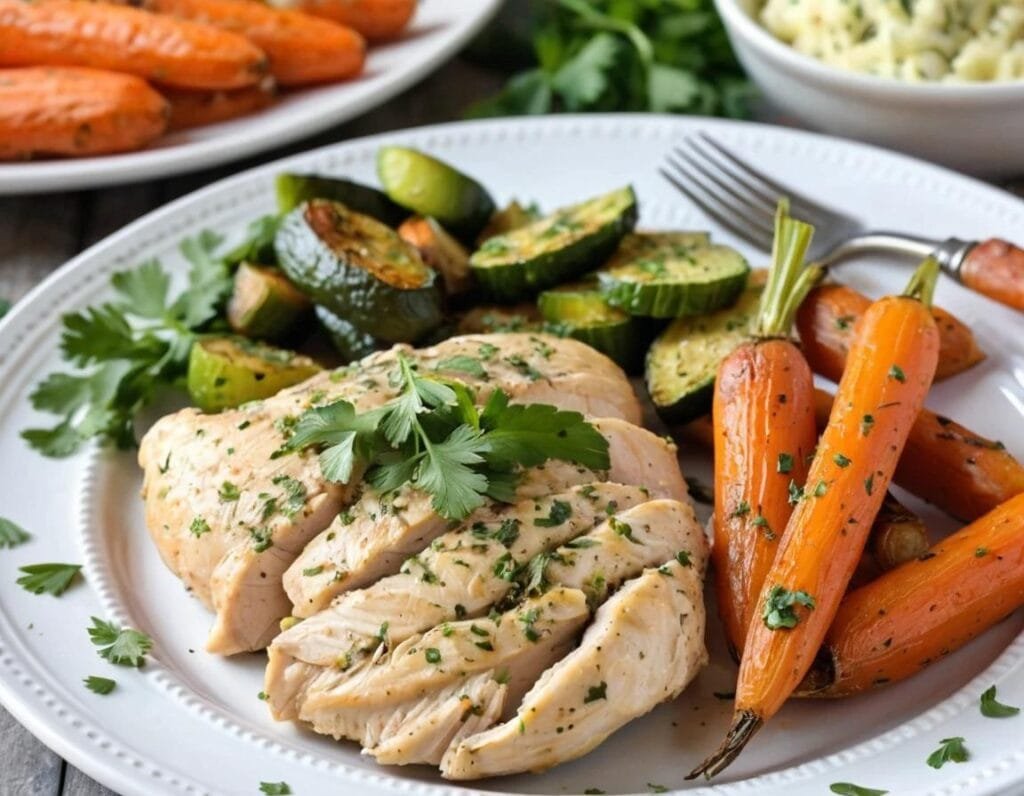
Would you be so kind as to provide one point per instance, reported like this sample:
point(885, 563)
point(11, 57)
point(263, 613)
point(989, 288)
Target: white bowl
point(977, 128)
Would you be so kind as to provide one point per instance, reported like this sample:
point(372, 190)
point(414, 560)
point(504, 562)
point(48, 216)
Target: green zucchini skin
point(294, 189)
point(360, 270)
point(660, 275)
point(584, 314)
point(558, 247)
point(350, 343)
point(264, 305)
point(430, 187)
point(683, 361)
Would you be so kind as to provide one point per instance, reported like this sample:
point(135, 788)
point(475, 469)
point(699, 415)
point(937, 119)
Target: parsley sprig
point(434, 437)
point(123, 350)
point(123, 646)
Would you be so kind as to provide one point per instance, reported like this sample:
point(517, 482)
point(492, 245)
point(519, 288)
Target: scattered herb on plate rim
point(849, 789)
point(12, 534)
point(992, 709)
point(275, 788)
point(120, 646)
point(951, 750)
point(54, 579)
point(100, 685)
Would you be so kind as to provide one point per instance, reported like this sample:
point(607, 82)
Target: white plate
point(438, 30)
point(189, 722)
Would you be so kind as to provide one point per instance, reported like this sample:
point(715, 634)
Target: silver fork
point(743, 199)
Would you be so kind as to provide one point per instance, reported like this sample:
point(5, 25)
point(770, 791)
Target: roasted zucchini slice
point(430, 187)
point(683, 361)
point(511, 216)
point(360, 270)
point(264, 305)
point(440, 251)
point(350, 343)
point(224, 372)
point(294, 189)
point(672, 275)
point(583, 313)
point(489, 318)
point(558, 247)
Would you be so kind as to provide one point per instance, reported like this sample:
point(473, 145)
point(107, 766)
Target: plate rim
point(86, 759)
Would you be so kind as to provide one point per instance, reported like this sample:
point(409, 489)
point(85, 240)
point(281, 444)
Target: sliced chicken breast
point(461, 575)
point(406, 694)
point(229, 513)
point(372, 537)
point(645, 646)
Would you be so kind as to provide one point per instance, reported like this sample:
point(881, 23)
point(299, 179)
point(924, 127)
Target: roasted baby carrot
point(827, 319)
point(198, 108)
point(888, 372)
point(76, 111)
point(764, 431)
point(302, 49)
point(375, 19)
point(105, 36)
point(925, 609)
point(962, 472)
point(897, 536)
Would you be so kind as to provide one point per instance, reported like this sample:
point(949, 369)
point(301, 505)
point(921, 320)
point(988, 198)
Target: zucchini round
point(661, 275)
point(430, 187)
point(558, 247)
point(440, 251)
point(264, 304)
point(294, 189)
point(511, 216)
point(683, 361)
point(360, 270)
point(585, 315)
point(348, 341)
point(224, 372)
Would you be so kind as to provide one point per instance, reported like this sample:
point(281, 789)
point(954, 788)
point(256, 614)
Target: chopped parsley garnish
point(796, 493)
point(121, 646)
point(785, 463)
point(778, 608)
point(228, 492)
point(311, 572)
point(760, 521)
point(980, 552)
point(869, 483)
point(198, 527)
point(655, 788)
point(432, 654)
point(12, 534)
point(582, 543)
point(992, 709)
point(849, 789)
point(841, 461)
point(951, 750)
point(844, 322)
point(896, 372)
point(528, 619)
point(820, 489)
point(742, 509)
point(433, 437)
point(100, 685)
point(275, 789)
point(683, 557)
point(463, 364)
point(560, 512)
point(866, 424)
point(505, 567)
point(596, 692)
point(262, 539)
point(486, 646)
point(48, 578)
point(623, 529)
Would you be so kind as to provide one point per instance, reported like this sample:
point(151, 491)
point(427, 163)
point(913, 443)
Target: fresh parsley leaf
point(48, 578)
point(559, 513)
point(951, 750)
point(100, 685)
point(121, 646)
point(275, 788)
point(582, 79)
point(596, 692)
point(463, 364)
point(992, 709)
point(778, 608)
point(849, 789)
point(5, 307)
point(12, 534)
point(258, 244)
point(654, 787)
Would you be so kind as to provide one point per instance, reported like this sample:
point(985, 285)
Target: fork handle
point(995, 268)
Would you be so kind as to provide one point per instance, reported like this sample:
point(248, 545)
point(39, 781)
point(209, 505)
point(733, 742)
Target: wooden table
point(40, 233)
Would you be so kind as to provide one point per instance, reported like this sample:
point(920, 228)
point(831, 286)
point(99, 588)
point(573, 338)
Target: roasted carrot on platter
point(190, 108)
point(764, 431)
point(925, 609)
point(888, 372)
point(76, 111)
point(375, 19)
point(963, 473)
point(897, 536)
point(302, 49)
point(169, 51)
point(827, 319)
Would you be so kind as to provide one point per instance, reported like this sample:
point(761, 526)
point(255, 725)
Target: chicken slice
point(460, 575)
point(229, 513)
point(372, 537)
point(645, 646)
point(406, 695)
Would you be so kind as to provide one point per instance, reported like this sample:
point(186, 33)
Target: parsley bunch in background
point(665, 56)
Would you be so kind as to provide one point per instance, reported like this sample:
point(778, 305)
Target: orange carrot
point(76, 111)
point(198, 108)
point(763, 418)
point(960, 471)
point(375, 19)
point(925, 609)
point(121, 39)
point(302, 49)
point(826, 322)
point(888, 372)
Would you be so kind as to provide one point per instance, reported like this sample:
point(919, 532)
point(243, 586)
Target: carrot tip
point(742, 730)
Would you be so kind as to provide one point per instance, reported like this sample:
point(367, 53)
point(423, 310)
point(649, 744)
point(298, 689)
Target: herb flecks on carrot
point(826, 536)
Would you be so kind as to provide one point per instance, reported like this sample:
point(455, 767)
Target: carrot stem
point(922, 284)
point(788, 280)
point(742, 730)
